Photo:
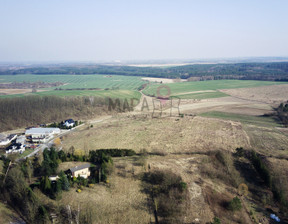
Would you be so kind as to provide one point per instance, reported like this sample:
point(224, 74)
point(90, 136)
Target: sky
point(112, 30)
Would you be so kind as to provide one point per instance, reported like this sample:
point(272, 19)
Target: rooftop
point(70, 121)
point(84, 166)
point(41, 130)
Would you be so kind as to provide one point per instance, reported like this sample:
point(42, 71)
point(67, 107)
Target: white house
point(69, 123)
point(54, 178)
point(82, 171)
point(15, 148)
point(41, 135)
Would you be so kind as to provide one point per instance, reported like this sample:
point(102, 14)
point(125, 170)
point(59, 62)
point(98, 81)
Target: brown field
point(123, 199)
point(166, 135)
point(266, 94)
point(17, 91)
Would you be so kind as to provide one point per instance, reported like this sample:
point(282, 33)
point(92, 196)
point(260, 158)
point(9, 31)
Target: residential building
point(15, 148)
point(69, 123)
point(41, 135)
point(82, 171)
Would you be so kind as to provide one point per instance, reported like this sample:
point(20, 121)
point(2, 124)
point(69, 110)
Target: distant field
point(244, 119)
point(125, 86)
point(80, 81)
point(184, 87)
point(204, 95)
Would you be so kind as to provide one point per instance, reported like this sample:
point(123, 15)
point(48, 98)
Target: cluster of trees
point(26, 111)
point(282, 113)
point(277, 71)
point(19, 195)
point(53, 189)
point(168, 193)
point(18, 189)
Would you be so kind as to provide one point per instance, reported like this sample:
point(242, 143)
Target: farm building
point(15, 148)
point(82, 171)
point(41, 135)
point(69, 123)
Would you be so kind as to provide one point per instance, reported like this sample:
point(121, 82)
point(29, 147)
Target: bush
point(169, 191)
point(261, 168)
point(235, 204)
point(78, 190)
point(216, 220)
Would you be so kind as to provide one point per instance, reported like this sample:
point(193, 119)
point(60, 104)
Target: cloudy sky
point(101, 30)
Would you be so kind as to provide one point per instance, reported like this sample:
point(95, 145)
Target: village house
point(15, 148)
point(54, 178)
point(41, 135)
point(69, 123)
point(82, 171)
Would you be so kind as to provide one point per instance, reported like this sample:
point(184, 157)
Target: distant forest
point(272, 71)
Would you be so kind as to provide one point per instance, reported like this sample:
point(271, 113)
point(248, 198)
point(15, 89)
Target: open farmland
point(78, 85)
point(184, 87)
point(80, 81)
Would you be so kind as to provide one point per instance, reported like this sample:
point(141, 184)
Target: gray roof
point(40, 130)
point(87, 165)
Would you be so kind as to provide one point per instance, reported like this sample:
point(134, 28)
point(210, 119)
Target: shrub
point(169, 191)
point(216, 220)
point(78, 190)
point(235, 204)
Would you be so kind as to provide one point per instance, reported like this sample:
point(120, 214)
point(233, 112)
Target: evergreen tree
point(65, 185)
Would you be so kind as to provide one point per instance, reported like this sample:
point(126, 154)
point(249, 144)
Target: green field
point(121, 94)
point(185, 87)
point(80, 81)
point(118, 86)
point(244, 119)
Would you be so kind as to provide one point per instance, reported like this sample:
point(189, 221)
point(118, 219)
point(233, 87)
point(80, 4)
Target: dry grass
point(267, 94)
point(119, 202)
point(269, 141)
point(7, 215)
point(171, 135)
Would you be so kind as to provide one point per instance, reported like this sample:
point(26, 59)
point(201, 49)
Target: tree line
point(272, 71)
point(31, 110)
